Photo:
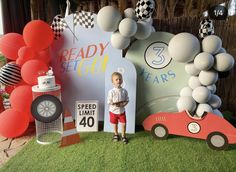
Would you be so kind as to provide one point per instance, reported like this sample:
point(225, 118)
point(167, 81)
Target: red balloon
point(9, 89)
point(23, 92)
point(20, 61)
point(10, 44)
point(13, 123)
point(38, 35)
point(31, 70)
point(44, 56)
point(25, 53)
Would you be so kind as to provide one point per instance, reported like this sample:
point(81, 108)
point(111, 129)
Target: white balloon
point(215, 101)
point(144, 30)
point(217, 112)
point(118, 41)
point(201, 94)
point(127, 27)
point(186, 91)
point(108, 18)
point(202, 108)
point(223, 62)
point(203, 61)
point(130, 13)
point(191, 69)
point(208, 77)
point(212, 88)
point(194, 82)
point(186, 103)
point(183, 47)
point(211, 44)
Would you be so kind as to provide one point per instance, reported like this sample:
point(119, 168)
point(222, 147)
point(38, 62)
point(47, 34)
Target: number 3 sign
point(86, 115)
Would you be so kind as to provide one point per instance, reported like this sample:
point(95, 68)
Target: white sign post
point(86, 115)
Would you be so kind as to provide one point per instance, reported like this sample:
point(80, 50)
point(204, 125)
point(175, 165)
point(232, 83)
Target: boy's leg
point(114, 121)
point(124, 139)
point(116, 129)
point(123, 125)
point(116, 136)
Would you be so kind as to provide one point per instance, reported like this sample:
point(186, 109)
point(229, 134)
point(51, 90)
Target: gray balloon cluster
point(203, 67)
point(109, 19)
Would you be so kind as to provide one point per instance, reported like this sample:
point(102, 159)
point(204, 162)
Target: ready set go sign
point(86, 115)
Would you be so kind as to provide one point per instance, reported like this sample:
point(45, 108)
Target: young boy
point(117, 100)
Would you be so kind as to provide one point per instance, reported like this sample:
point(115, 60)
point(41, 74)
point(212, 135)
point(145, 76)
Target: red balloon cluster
point(30, 51)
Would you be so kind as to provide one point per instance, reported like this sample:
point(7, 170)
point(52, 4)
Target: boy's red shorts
point(114, 118)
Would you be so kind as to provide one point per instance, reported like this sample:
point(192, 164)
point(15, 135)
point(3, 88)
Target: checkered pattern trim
point(84, 18)
point(58, 26)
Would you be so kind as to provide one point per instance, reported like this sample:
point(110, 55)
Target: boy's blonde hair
point(116, 74)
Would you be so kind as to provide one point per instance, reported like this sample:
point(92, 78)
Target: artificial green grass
point(97, 152)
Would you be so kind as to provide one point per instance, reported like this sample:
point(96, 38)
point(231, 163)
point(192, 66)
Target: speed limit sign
point(86, 115)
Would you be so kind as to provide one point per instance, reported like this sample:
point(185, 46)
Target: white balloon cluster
point(109, 19)
point(199, 96)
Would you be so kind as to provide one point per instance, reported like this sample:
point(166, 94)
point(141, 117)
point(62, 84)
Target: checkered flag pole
point(58, 26)
point(84, 18)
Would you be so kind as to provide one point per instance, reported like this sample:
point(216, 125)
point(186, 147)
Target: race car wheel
point(46, 108)
point(217, 141)
point(159, 131)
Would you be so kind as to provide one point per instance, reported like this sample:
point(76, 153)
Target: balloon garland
point(203, 67)
point(31, 58)
point(135, 24)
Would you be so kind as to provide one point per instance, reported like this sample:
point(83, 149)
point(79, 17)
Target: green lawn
point(97, 152)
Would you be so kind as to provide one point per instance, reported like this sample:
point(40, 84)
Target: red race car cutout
point(217, 132)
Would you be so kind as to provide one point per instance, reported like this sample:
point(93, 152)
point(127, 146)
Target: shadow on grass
point(231, 147)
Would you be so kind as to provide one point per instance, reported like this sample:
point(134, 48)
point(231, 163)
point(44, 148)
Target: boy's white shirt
point(117, 95)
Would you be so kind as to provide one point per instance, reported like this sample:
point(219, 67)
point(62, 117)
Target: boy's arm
point(109, 98)
point(126, 101)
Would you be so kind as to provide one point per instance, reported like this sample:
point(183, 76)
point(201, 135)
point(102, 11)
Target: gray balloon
point(215, 101)
point(144, 30)
point(202, 108)
point(183, 47)
point(130, 13)
point(211, 44)
point(118, 41)
point(186, 103)
point(194, 82)
point(223, 62)
point(204, 61)
point(201, 94)
point(208, 77)
point(127, 27)
point(108, 18)
point(191, 69)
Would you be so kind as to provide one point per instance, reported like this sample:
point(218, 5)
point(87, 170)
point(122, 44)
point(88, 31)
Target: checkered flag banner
point(84, 18)
point(58, 26)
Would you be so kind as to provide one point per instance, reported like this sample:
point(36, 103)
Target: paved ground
point(9, 147)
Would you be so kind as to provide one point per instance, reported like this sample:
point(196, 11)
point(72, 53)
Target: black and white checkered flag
point(84, 18)
point(58, 26)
